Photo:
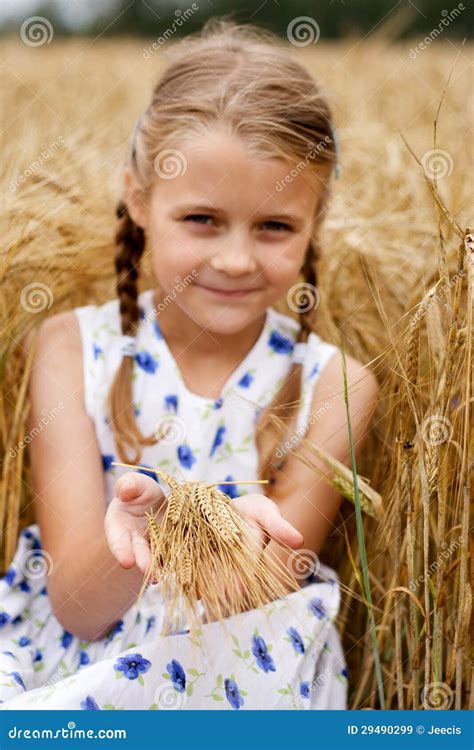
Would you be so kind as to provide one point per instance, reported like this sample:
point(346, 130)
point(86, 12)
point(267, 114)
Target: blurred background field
point(396, 279)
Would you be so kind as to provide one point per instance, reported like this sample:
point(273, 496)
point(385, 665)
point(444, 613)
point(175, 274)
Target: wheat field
point(396, 279)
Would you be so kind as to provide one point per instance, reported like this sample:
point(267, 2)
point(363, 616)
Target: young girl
point(225, 186)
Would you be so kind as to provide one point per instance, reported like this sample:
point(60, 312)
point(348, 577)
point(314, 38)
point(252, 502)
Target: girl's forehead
point(223, 169)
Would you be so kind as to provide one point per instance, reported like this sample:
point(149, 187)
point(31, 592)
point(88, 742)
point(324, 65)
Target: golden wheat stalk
point(203, 552)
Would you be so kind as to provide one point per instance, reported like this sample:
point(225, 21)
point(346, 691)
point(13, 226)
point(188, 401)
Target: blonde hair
point(244, 79)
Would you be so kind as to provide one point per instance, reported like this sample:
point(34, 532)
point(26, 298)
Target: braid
point(308, 312)
point(130, 244)
point(286, 401)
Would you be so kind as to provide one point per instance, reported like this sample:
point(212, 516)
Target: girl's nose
point(235, 257)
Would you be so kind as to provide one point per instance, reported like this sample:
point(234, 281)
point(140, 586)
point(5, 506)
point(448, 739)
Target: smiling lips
point(228, 293)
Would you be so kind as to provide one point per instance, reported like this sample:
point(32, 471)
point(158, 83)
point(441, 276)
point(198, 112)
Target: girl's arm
point(306, 500)
point(87, 587)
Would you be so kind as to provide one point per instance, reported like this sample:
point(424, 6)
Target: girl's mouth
point(228, 293)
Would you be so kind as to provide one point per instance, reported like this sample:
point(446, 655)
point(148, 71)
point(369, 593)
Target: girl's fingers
point(141, 551)
point(138, 488)
point(120, 544)
point(266, 513)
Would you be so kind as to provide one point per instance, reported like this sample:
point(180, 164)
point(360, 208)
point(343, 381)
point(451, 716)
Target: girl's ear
point(135, 200)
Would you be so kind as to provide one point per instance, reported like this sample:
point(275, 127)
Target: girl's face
point(222, 228)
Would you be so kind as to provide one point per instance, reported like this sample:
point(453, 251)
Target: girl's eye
point(199, 218)
point(276, 226)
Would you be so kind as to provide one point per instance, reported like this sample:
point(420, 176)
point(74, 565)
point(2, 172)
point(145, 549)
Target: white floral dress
point(286, 656)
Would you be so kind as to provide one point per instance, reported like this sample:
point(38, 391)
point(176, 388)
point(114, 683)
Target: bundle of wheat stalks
point(395, 279)
point(204, 552)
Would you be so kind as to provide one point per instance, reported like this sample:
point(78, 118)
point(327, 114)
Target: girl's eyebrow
point(196, 207)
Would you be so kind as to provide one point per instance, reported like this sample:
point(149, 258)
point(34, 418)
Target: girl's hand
point(265, 520)
point(125, 521)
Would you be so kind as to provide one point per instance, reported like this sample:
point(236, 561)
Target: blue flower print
point(229, 489)
point(171, 402)
point(16, 676)
point(89, 704)
point(280, 344)
point(25, 586)
point(218, 403)
point(245, 380)
point(9, 653)
point(97, 351)
point(28, 534)
point(150, 473)
point(117, 628)
point(107, 459)
point(24, 641)
point(150, 623)
point(146, 362)
point(66, 638)
point(132, 665)
point(142, 312)
point(38, 656)
point(296, 640)
point(9, 576)
point(344, 672)
point(305, 690)
point(177, 675)
point(218, 440)
point(84, 658)
point(186, 457)
point(316, 606)
point(314, 370)
point(232, 694)
point(260, 651)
